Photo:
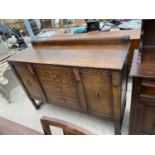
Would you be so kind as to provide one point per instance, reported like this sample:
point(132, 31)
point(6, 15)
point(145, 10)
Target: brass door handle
point(98, 96)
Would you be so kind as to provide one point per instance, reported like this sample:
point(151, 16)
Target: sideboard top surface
point(107, 55)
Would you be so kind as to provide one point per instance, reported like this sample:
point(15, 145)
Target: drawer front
point(53, 73)
point(60, 89)
point(71, 103)
point(29, 80)
point(98, 90)
point(59, 85)
point(147, 88)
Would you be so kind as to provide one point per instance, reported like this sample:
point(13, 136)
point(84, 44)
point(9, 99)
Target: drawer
point(54, 73)
point(147, 88)
point(64, 101)
point(61, 89)
point(147, 92)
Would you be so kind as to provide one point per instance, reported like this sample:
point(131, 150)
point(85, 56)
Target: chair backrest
point(68, 128)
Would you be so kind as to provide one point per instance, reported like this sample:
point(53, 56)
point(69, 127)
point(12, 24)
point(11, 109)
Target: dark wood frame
point(142, 112)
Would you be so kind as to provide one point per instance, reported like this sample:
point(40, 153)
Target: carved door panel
point(145, 122)
point(98, 91)
point(59, 85)
point(29, 80)
point(145, 113)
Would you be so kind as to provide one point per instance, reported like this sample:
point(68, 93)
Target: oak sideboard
point(86, 74)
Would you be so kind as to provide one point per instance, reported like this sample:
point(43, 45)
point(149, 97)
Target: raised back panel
point(81, 41)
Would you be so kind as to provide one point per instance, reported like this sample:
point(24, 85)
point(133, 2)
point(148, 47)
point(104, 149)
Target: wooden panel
point(98, 90)
point(133, 34)
point(54, 73)
point(64, 101)
point(59, 88)
point(59, 85)
point(149, 120)
point(145, 123)
point(142, 117)
point(134, 103)
point(29, 80)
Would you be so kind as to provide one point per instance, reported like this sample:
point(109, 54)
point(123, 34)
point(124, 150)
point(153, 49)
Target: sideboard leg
point(35, 104)
point(117, 128)
point(116, 90)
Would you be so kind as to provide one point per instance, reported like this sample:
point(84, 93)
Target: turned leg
point(117, 128)
point(117, 105)
point(36, 104)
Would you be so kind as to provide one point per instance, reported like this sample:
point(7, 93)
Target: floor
point(21, 110)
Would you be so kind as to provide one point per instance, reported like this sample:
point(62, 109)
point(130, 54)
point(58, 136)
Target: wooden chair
point(8, 127)
point(68, 128)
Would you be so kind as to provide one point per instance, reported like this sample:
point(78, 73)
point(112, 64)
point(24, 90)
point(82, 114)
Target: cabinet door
point(59, 85)
point(29, 80)
point(97, 86)
point(145, 113)
point(145, 123)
